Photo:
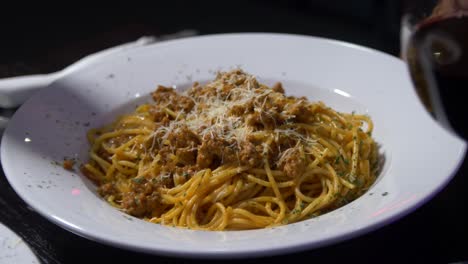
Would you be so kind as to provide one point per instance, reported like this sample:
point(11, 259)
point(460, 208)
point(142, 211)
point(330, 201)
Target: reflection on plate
point(420, 157)
point(13, 249)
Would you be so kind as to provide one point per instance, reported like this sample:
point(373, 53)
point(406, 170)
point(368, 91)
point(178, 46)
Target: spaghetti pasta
point(232, 154)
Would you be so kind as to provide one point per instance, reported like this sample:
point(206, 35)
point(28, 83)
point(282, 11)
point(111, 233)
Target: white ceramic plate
point(13, 249)
point(420, 157)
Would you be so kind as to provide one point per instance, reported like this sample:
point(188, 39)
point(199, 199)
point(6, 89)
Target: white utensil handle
point(16, 90)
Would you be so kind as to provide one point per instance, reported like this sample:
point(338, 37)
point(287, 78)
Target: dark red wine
point(438, 62)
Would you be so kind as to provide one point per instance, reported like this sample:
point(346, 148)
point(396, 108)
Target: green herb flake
point(303, 205)
point(344, 160)
point(337, 159)
point(359, 182)
point(138, 180)
point(185, 174)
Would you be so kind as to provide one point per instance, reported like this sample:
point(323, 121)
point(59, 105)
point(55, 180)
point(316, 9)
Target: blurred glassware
point(434, 43)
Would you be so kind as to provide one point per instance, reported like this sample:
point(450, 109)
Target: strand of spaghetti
point(101, 162)
point(121, 169)
point(132, 131)
point(209, 215)
point(317, 160)
point(261, 220)
point(211, 197)
point(238, 186)
point(252, 178)
point(192, 221)
point(222, 176)
point(187, 210)
point(96, 174)
point(225, 191)
point(139, 121)
point(250, 190)
point(128, 164)
point(215, 213)
point(370, 124)
point(148, 169)
point(127, 144)
point(187, 184)
point(365, 171)
point(275, 173)
point(322, 125)
point(312, 206)
point(172, 214)
point(242, 224)
point(110, 173)
point(281, 205)
point(253, 206)
point(121, 154)
point(310, 174)
point(329, 146)
point(274, 186)
point(269, 210)
point(354, 157)
point(186, 191)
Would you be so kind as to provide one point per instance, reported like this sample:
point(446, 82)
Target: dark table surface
point(436, 232)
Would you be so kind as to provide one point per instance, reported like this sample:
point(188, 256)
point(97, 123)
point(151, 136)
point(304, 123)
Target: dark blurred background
point(47, 40)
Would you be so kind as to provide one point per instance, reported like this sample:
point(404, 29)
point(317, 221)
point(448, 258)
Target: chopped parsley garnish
point(303, 205)
point(344, 160)
point(138, 180)
point(337, 159)
point(359, 182)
